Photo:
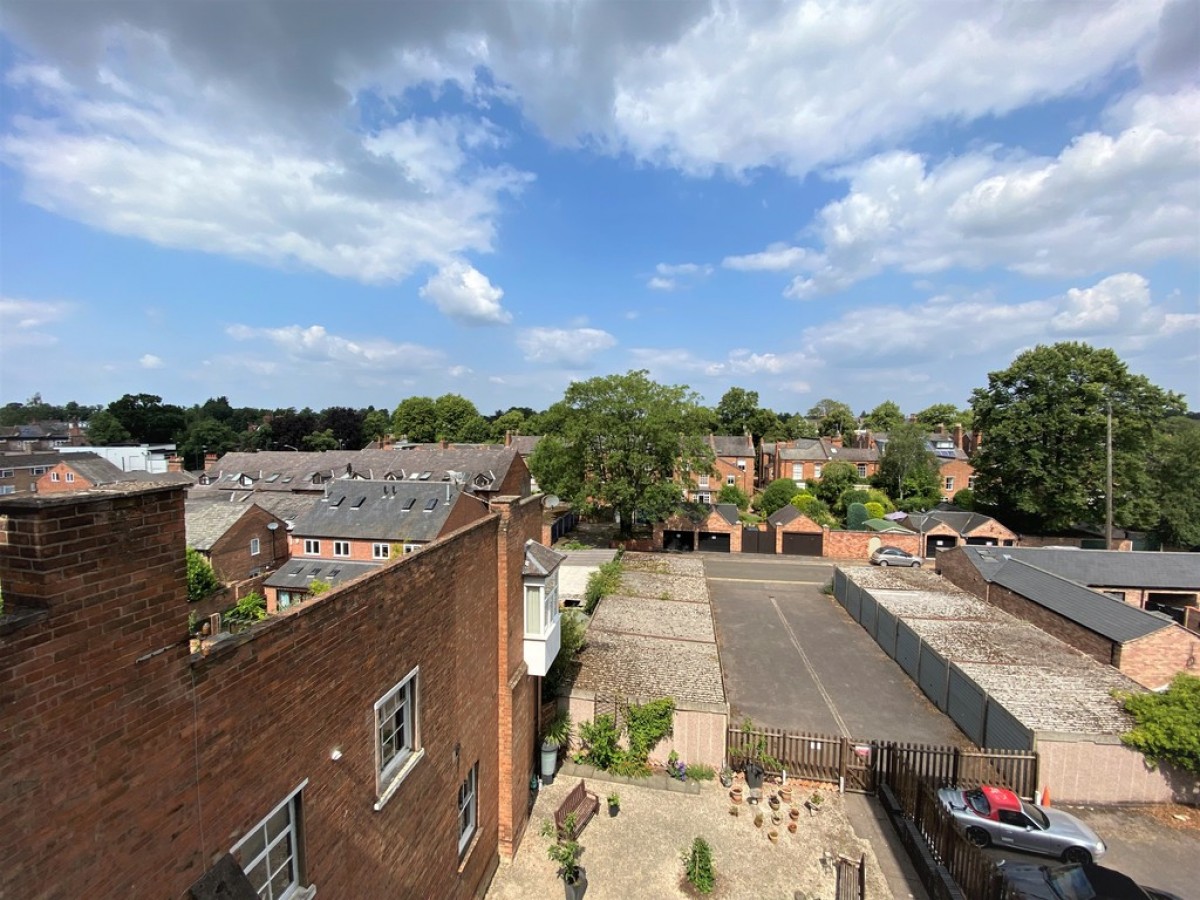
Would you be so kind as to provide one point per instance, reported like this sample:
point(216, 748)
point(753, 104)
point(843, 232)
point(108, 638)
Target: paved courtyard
point(639, 853)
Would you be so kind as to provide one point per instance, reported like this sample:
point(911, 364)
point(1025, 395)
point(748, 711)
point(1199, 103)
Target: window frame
point(341, 549)
point(817, 469)
point(381, 550)
point(390, 772)
point(730, 479)
point(468, 803)
point(702, 482)
point(36, 470)
point(55, 477)
point(948, 483)
point(312, 546)
point(255, 546)
point(70, 477)
point(294, 829)
point(862, 470)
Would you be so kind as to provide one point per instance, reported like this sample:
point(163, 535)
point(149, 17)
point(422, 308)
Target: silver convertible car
point(995, 815)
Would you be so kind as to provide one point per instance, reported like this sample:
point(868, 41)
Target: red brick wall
point(861, 544)
point(230, 556)
point(127, 767)
point(993, 529)
point(1155, 659)
point(1098, 648)
point(47, 485)
point(516, 482)
point(743, 479)
point(958, 469)
point(954, 566)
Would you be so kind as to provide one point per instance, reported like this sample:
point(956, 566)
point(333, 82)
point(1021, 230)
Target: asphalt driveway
point(793, 659)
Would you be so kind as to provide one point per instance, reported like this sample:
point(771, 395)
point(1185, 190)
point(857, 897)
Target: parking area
point(793, 659)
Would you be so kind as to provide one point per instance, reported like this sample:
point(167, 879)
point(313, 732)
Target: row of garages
point(750, 541)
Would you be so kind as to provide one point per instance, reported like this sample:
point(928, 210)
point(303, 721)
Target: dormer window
point(541, 605)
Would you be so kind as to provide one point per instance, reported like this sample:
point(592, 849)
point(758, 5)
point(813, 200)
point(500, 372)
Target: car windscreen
point(979, 802)
point(1036, 814)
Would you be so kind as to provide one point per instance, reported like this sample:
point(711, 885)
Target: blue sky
point(322, 204)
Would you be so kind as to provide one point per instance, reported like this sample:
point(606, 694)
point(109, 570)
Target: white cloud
point(1123, 199)
point(669, 276)
point(150, 361)
point(316, 346)
point(569, 347)
point(658, 283)
point(23, 322)
point(464, 294)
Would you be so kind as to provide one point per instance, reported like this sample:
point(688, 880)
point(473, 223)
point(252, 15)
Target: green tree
point(908, 470)
point(1042, 463)
point(776, 495)
point(946, 414)
point(205, 436)
point(964, 498)
point(623, 439)
point(856, 515)
point(416, 419)
point(874, 510)
point(376, 425)
point(458, 420)
point(815, 509)
point(513, 421)
point(835, 418)
point(736, 411)
point(1168, 723)
point(104, 429)
point(201, 579)
point(345, 424)
point(319, 440)
point(1174, 467)
point(148, 419)
point(836, 477)
point(731, 493)
point(884, 417)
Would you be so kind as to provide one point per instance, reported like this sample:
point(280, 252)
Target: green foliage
point(1168, 724)
point(319, 440)
point(416, 419)
point(573, 631)
point(600, 742)
point(201, 579)
point(604, 581)
point(874, 510)
point(908, 470)
point(251, 608)
point(752, 747)
point(614, 799)
point(776, 496)
point(813, 508)
point(731, 493)
point(699, 867)
point(856, 515)
point(376, 425)
point(620, 441)
point(945, 414)
point(459, 421)
point(558, 730)
point(964, 499)
point(736, 411)
point(147, 418)
point(701, 772)
point(644, 726)
point(648, 724)
point(1174, 468)
point(317, 587)
point(563, 850)
point(884, 417)
point(1044, 418)
point(103, 429)
point(836, 477)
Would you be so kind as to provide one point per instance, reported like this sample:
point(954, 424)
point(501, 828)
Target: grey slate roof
point(728, 512)
point(739, 445)
point(783, 515)
point(525, 443)
point(806, 449)
point(485, 467)
point(961, 521)
point(40, 458)
point(857, 454)
point(297, 574)
point(382, 511)
point(206, 522)
point(1107, 617)
point(1108, 568)
point(540, 560)
point(97, 470)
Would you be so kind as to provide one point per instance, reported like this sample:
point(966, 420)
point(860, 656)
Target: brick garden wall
point(860, 544)
point(1157, 658)
point(127, 766)
point(1083, 771)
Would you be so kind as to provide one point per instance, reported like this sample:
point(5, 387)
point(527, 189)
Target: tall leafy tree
point(513, 421)
point(345, 423)
point(1042, 463)
point(622, 440)
point(884, 417)
point(104, 429)
point(836, 477)
point(1174, 466)
point(289, 428)
point(458, 420)
point(736, 410)
point(416, 419)
point(375, 426)
point(148, 419)
point(908, 470)
point(946, 414)
point(835, 417)
point(206, 436)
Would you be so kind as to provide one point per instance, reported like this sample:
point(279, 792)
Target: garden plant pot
point(549, 762)
point(613, 810)
point(792, 827)
point(773, 834)
point(785, 794)
point(754, 775)
point(726, 778)
point(735, 794)
point(575, 889)
point(774, 801)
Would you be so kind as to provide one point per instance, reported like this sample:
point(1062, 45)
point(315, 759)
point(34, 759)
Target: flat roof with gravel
point(1046, 684)
point(658, 618)
point(664, 587)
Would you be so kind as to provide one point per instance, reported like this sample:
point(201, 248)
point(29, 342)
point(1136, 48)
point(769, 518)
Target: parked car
point(995, 815)
point(894, 556)
point(1078, 882)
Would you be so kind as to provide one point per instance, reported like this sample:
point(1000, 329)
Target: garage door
point(714, 541)
point(802, 544)
point(679, 540)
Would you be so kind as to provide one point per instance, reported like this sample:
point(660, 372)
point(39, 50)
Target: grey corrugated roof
point(206, 522)
point(28, 460)
point(297, 574)
point(382, 511)
point(540, 560)
point(1116, 568)
point(96, 470)
point(1109, 618)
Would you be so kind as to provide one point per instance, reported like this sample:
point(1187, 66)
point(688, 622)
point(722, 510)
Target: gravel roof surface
point(663, 564)
point(673, 587)
point(896, 579)
point(661, 618)
point(1074, 702)
point(937, 605)
point(1002, 640)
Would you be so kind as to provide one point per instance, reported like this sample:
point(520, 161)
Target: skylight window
point(409, 504)
point(359, 502)
point(430, 504)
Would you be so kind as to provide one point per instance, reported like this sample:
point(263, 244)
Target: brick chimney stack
point(175, 463)
point(508, 436)
point(210, 460)
point(836, 440)
point(958, 436)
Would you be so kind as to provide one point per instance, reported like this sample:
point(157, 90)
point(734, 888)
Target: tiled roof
point(206, 521)
point(1100, 568)
point(806, 449)
point(525, 443)
point(28, 460)
point(287, 507)
point(857, 454)
point(783, 516)
point(540, 560)
point(96, 470)
point(728, 512)
point(961, 521)
point(731, 445)
point(382, 511)
point(297, 574)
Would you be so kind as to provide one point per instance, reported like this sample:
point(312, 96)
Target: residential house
point(19, 472)
point(240, 540)
point(1149, 647)
point(378, 741)
point(360, 525)
point(84, 471)
point(804, 459)
point(38, 436)
point(941, 530)
point(953, 453)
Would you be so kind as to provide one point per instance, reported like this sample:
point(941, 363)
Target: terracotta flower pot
point(792, 827)
point(785, 793)
point(794, 814)
point(773, 834)
point(735, 794)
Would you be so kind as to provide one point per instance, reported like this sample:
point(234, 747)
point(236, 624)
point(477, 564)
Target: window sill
point(394, 784)
point(302, 893)
point(466, 857)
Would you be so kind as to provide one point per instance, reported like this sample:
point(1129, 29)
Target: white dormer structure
point(543, 636)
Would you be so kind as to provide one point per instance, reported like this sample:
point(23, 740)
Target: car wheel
point(883, 562)
point(917, 564)
point(978, 837)
point(1077, 855)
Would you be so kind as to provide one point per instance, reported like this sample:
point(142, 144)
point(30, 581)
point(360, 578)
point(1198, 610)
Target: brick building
point(376, 742)
point(240, 540)
point(19, 472)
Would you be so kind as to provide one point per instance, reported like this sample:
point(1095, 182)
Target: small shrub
point(614, 799)
point(856, 515)
point(604, 581)
point(572, 545)
point(700, 772)
point(251, 608)
point(874, 510)
point(700, 872)
point(317, 587)
point(1167, 725)
point(201, 579)
point(601, 741)
point(731, 493)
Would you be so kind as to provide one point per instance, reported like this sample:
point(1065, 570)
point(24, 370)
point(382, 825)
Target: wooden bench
point(580, 802)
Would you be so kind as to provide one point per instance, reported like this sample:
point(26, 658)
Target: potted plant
point(726, 776)
point(755, 757)
point(555, 735)
point(814, 802)
point(565, 851)
point(614, 803)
